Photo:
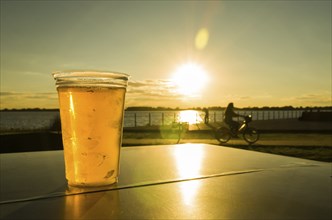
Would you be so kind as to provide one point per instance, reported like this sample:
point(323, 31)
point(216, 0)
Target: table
point(186, 181)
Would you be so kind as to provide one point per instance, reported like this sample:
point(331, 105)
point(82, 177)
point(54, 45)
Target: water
point(39, 120)
point(27, 120)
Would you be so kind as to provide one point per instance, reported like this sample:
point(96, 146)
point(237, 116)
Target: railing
point(157, 118)
point(43, 120)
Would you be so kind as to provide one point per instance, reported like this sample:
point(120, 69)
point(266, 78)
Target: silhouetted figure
point(206, 116)
point(228, 117)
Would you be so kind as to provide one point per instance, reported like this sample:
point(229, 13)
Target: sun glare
point(190, 117)
point(190, 79)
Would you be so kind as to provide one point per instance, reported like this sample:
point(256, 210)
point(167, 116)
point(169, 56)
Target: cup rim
point(89, 73)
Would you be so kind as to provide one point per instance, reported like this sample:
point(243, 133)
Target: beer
point(91, 121)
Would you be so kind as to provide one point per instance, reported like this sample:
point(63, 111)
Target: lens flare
point(202, 38)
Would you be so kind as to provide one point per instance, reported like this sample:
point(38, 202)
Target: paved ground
point(310, 140)
point(312, 146)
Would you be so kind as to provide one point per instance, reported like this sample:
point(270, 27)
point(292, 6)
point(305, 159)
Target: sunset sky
point(178, 53)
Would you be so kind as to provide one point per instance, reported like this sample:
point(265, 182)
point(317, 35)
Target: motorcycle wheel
point(250, 135)
point(223, 135)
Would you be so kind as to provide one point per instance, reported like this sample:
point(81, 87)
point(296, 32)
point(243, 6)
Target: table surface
point(187, 181)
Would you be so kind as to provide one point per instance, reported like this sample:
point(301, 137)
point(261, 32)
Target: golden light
point(188, 159)
point(71, 106)
point(190, 117)
point(189, 190)
point(189, 79)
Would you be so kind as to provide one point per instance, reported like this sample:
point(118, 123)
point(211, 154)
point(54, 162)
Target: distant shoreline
point(28, 110)
point(213, 108)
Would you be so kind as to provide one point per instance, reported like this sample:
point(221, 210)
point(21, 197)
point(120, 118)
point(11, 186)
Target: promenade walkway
point(278, 125)
point(281, 132)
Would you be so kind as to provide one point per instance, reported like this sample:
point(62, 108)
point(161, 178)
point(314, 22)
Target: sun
point(190, 79)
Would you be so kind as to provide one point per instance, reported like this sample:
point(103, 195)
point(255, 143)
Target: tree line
point(221, 108)
point(213, 108)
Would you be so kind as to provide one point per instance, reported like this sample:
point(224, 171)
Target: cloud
point(319, 99)
point(308, 97)
point(28, 100)
point(6, 94)
point(30, 95)
point(247, 97)
point(158, 92)
point(31, 73)
point(152, 88)
point(322, 98)
point(140, 93)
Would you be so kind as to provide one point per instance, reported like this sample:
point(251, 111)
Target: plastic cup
point(91, 112)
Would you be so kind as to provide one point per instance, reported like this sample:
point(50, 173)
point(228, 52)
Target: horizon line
point(137, 108)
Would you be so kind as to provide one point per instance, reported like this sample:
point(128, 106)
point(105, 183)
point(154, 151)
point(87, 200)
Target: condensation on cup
point(91, 112)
